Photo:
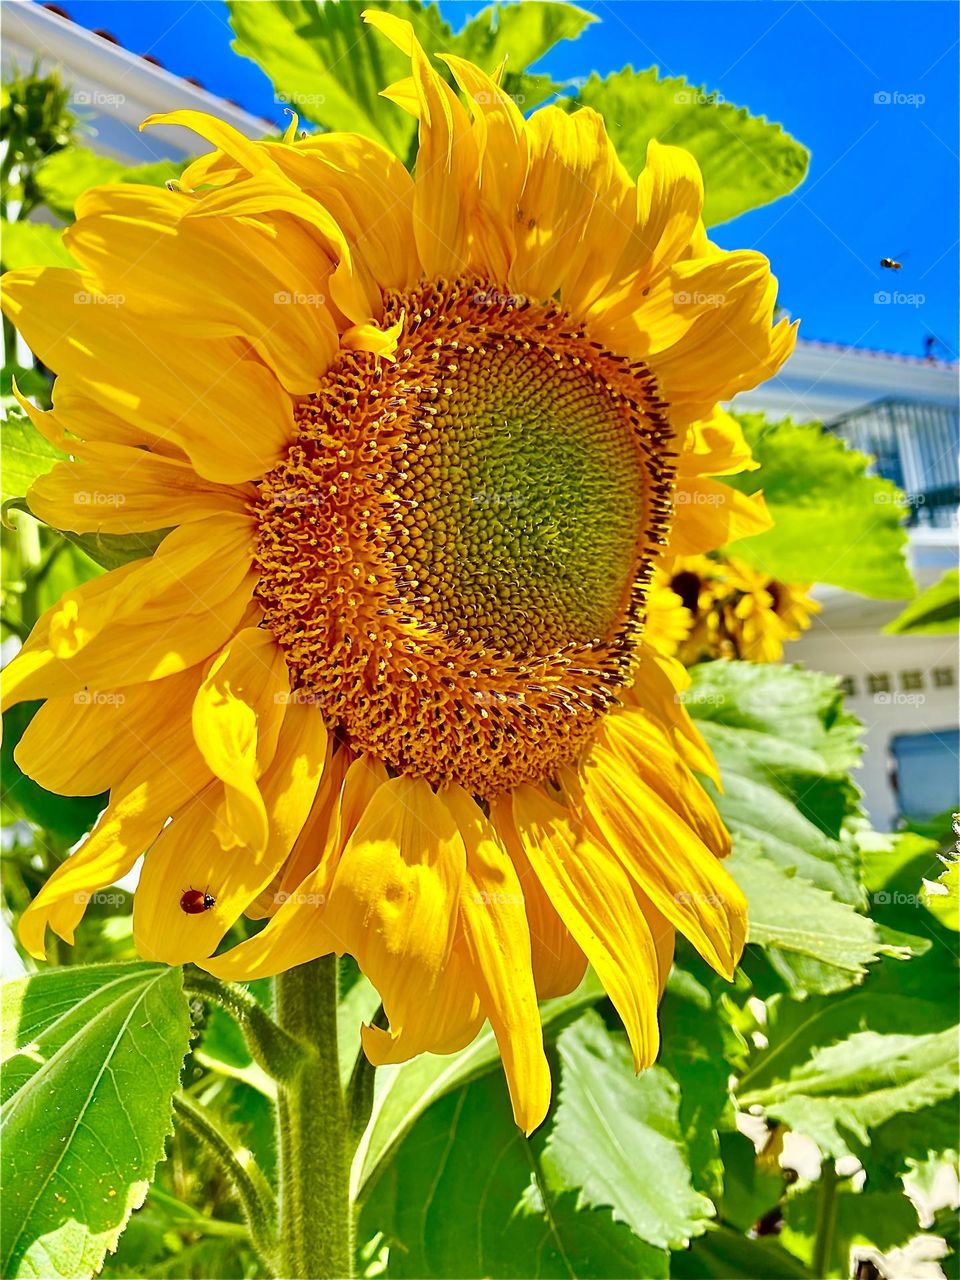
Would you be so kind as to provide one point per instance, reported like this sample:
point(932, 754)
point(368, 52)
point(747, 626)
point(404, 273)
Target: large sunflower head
point(420, 443)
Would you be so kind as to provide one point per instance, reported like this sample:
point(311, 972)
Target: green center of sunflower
point(518, 502)
point(455, 551)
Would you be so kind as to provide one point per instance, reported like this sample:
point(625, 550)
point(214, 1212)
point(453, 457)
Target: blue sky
point(883, 180)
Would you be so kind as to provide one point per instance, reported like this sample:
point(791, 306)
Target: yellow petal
point(394, 898)
point(369, 192)
point(715, 446)
point(681, 876)
point(558, 961)
point(237, 716)
point(447, 163)
point(709, 514)
point(637, 739)
point(164, 771)
point(658, 686)
point(445, 1023)
point(124, 380)
point(107, 729)
point(141, 247)
point(146, 620)
point(119, 490)
point(595, 899)
point(497, 949)
point(575, 210)
point(251, 155)
point(188, 853)
point(296, 932)
point(502, 167)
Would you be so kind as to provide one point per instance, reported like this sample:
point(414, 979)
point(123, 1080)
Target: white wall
point(861, 652)
point(821, 382)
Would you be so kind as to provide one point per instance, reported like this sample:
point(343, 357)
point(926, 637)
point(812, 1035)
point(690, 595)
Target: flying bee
point(891, 264)
point(195, 901)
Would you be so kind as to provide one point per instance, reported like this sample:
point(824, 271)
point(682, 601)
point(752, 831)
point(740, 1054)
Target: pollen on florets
point(455, 550)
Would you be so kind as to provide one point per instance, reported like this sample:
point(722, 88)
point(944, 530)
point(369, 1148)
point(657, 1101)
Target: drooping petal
point(107, 730)
point(666, 858)
point(296, 931)
point(497, 951)
point(237, 716)
point(394, 899)
point(188, 853)
point(637, 739)
point(596, 901)
point(164, 772)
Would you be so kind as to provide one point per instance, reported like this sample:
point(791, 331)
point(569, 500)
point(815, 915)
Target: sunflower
point(732, 610)
point(418, 443)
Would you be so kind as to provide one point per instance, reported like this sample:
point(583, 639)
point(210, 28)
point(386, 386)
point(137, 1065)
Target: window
point(926, 778)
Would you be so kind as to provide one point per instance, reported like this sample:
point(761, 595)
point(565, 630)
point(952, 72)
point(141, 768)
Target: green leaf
point(26, 454)
point(814, 942)
point(34, 244)
point(751, 1187)
point(86, 1110)
point(942, 897)
point(403, 1093)
point(836, 1069)
point(111, 550)
point(833, 523)
point(722, 1254)
point(329, 66)
point(699, 1048)
point(467, 1196)
point(935, 612)
point(785, 745)
point(746, 161)
point(519, 35)
point(612, 1128)
point(881, 1220)
point(66, 175)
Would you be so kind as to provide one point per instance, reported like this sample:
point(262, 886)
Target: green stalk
point(251, 1187)
point(826, 1219)
point(313, 1128)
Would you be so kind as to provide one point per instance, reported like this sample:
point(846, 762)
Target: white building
point(902, 410)
point(114, 90)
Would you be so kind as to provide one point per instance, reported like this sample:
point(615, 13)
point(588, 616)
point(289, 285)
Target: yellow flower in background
point(731, 610)
point(420, 443)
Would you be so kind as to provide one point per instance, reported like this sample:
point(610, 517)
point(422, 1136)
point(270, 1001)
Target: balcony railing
point(915, 445)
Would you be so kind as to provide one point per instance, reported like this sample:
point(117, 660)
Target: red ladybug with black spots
point(195, 901)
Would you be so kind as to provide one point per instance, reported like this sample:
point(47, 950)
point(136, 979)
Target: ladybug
point(195, 901)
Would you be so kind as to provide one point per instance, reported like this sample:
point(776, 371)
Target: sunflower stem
point(280, 1055)
point(251, 1186)
point(313, 1127)
point(826, 1218)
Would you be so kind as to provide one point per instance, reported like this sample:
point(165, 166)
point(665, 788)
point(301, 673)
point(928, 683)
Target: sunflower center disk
point(455, 551)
